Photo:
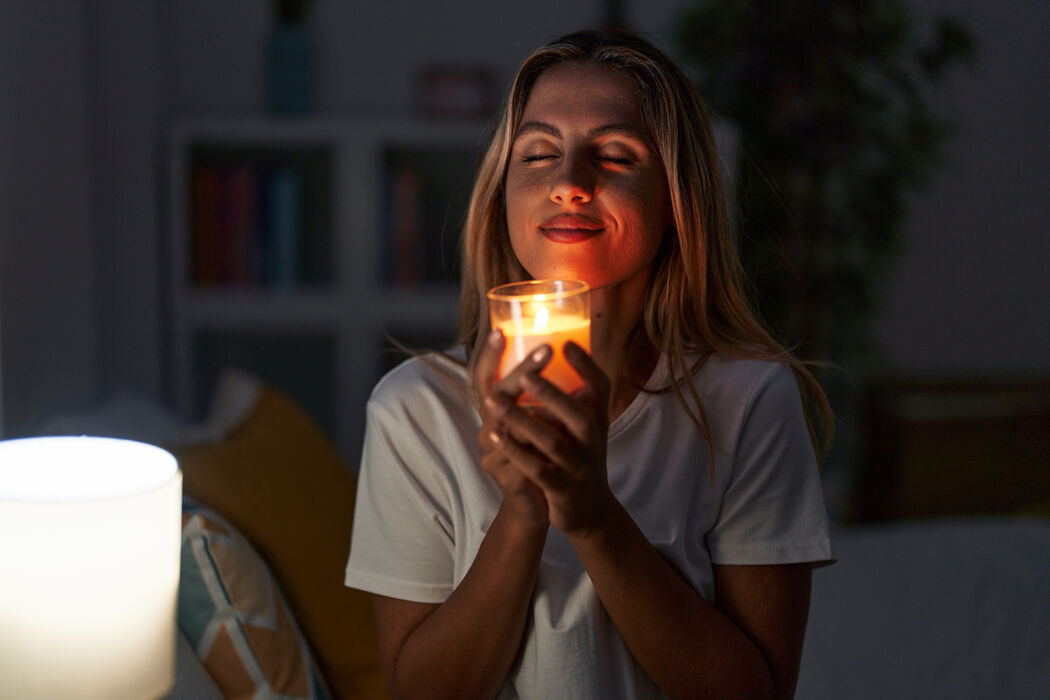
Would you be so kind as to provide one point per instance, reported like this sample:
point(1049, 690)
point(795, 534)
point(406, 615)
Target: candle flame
point(540, 322)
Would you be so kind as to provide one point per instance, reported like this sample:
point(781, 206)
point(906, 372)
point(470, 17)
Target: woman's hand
point(561, 446)
point(521, 497)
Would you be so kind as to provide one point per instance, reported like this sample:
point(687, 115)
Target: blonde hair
point(696, 303)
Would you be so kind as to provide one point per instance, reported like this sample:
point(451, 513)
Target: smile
point(570, 228)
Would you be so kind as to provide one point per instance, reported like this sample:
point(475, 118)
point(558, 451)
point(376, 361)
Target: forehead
point(583, 95)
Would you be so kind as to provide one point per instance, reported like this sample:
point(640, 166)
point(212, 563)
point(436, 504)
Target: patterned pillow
point(234, 616)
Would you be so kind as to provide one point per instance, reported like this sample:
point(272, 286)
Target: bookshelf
point(297, 247)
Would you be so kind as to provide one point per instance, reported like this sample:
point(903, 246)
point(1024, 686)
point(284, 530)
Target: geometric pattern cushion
point(233, 614)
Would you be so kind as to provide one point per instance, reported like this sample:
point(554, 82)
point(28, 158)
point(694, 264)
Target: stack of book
point(247, 225)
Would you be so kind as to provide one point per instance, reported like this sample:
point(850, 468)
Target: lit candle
point(538, 312)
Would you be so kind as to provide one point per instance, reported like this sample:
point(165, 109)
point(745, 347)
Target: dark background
point(89, 89)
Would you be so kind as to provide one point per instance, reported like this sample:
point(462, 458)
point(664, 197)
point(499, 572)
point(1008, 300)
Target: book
point(282, 229)
point(405, 266)
point(243, 236)
point(204, 220)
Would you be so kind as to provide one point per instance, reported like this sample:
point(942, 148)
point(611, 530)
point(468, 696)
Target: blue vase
point(290, 70)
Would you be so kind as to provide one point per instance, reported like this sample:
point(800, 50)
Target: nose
point(572, 182)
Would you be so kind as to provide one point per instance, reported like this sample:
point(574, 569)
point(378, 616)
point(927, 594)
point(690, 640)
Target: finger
point(494, 410)
point(569, 410)
point(524, 496)
point(486, 373)
point(550, 444)
point(496, 405)
point(495, 424)
point(491, 421)
point(487, 369)
point(536, 360)
point(526, 461)
point(589, 371)
point(498, 397)
point(496, 465)
point(510, 480)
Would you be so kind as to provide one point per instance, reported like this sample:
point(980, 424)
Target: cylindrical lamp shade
point(90, 536)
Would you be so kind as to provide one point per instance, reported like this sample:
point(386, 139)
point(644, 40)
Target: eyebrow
point(551, 130)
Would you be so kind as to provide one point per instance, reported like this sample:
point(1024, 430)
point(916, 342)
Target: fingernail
point(541, 353)
point(495, 437)
point(495, 335)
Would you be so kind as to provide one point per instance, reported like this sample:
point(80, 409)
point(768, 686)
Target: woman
point(651, 534)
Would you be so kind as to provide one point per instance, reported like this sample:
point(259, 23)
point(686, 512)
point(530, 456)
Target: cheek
point(659, 212)
point(648, 210)
point(516, 213)
point(516, 198)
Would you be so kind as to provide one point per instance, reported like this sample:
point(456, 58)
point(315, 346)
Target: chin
point(584, 273)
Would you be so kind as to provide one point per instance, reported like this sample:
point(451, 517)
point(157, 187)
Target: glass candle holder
point(538, 312)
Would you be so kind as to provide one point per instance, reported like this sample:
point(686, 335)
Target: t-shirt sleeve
point(402, 540)
point(773, 509)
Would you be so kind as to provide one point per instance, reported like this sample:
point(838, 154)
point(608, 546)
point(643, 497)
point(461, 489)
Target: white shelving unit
point(322, 339)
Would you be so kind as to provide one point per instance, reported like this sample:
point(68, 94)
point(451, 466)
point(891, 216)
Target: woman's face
point(586, 193)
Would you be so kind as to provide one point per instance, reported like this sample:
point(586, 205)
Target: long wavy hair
point(696, 304)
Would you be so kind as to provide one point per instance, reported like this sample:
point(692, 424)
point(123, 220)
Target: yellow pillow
point(278, 479)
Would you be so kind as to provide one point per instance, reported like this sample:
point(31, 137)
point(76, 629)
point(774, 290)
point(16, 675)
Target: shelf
point(261, 308)
point(374, 245)
point(259, 214)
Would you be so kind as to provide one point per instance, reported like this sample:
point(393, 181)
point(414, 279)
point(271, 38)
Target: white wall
point(126, 83)
point(369, 52)
point(971, 292)
point(47, 293)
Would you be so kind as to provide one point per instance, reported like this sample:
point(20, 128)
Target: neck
point(615, 314)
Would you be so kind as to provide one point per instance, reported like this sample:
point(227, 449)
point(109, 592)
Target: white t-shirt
point(424, 505)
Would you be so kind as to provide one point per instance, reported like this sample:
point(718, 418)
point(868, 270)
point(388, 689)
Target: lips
point(570, 228)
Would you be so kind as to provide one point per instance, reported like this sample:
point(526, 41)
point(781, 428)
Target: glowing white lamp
point(90, 536)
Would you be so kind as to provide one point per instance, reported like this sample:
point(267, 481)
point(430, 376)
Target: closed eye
point(536, 158)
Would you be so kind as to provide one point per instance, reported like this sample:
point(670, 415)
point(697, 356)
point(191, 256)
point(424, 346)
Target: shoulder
point(732, 392)
point(435, 380)
point(742, 381)
point(421, 372)
point(736, 391)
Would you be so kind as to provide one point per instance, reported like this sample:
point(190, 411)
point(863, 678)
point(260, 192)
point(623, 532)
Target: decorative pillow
point(232, 613)
point(278, 479)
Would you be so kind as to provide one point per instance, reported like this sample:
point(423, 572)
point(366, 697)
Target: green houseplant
point(834, 136)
